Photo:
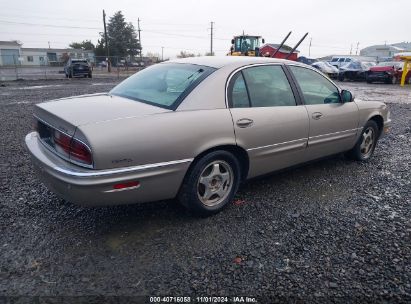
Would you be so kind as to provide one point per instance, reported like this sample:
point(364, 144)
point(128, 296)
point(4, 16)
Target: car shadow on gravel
point(278, 188)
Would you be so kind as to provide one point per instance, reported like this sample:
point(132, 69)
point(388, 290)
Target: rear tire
point(365, 146)
point(211, 183)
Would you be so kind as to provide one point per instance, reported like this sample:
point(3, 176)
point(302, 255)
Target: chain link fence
point(30, 67)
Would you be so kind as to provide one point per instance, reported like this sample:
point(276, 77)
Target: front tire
point(365, 146)
point(211, 183)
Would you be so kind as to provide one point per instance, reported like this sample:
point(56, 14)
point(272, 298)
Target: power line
point(51, 25)
point(50, 18)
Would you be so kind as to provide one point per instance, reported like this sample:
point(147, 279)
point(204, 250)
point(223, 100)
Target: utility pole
point(139, 38)
point(351, 49)
point(309, 48)
point(162, 53)
point(49, 43)
point(106, 39)
point(211, 46)
point(356, 51)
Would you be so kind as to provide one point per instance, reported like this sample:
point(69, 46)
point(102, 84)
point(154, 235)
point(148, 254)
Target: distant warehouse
point(386, 51)
point(11, 53)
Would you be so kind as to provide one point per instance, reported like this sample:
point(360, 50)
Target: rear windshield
point(162, 85)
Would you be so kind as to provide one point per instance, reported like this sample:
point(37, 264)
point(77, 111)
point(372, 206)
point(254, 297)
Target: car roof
point(222, 61)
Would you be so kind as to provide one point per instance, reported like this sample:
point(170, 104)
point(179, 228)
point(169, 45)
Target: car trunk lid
point(68, 113)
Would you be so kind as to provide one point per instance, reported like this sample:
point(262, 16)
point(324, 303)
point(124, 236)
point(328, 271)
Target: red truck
point(388, 72)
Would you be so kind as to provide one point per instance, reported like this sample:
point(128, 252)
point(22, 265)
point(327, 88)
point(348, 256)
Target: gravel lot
point(335, 230)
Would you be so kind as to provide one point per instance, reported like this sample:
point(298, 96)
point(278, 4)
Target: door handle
point(244, 122)
point(317, 115)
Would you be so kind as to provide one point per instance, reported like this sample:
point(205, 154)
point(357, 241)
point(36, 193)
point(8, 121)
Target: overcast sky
point(334, 26)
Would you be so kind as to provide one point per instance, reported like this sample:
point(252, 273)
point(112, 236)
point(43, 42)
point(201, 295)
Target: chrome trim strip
point(97, 173)
point(319, 139)
point(279, 144)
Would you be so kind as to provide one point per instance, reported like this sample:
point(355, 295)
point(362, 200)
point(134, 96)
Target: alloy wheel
point(215, 183)
point(367, 144)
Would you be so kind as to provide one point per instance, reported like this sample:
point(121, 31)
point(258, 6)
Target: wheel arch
point(237, 151)
point(379, 120)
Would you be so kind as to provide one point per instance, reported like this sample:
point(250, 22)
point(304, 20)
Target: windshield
point(163, 85)
point(244, 44)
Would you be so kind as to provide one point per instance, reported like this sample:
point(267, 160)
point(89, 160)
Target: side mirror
point(232, 41)
point(346, 96)
point(263, 41)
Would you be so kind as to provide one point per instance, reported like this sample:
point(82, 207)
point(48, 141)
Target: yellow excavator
point(245, 45)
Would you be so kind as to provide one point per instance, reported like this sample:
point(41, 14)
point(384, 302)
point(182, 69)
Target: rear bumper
point(81, 72)
point(378, 77)
point(91, 187)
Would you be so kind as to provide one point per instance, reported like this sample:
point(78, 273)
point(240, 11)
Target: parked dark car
point(77, 67)
point(388, 72)
point(354, 70)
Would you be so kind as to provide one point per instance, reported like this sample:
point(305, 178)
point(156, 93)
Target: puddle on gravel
point(133, 233)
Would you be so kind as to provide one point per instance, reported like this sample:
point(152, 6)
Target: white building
point(11, 53)
point(384, 51)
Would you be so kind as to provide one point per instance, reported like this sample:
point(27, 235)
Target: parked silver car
point(195, 129)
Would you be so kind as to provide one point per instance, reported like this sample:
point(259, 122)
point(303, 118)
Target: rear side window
point(239, 93)
point(261, 86)
point(316, 89)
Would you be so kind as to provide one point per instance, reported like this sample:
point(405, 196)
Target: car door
point(268, 121)
point(333, 124)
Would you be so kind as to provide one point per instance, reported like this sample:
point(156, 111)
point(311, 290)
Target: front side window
point(316, 89)
point(261, 86)
point(163, 85)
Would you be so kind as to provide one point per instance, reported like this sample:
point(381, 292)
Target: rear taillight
point(72, 148)
point(80, 152)
point(62, 143)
